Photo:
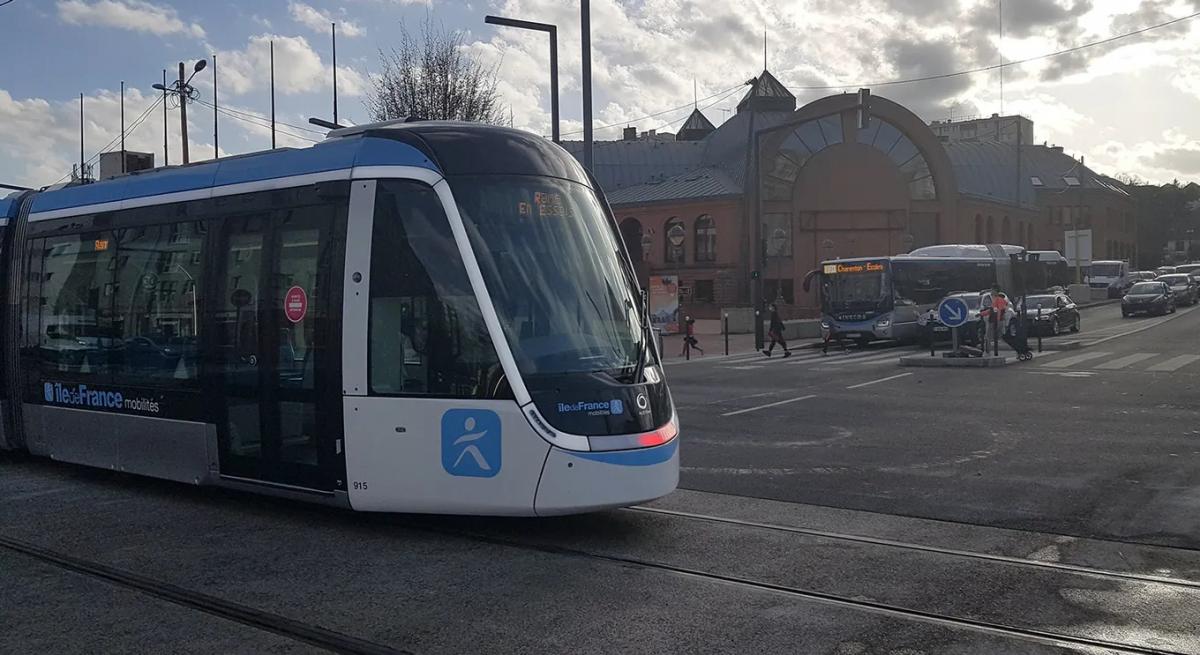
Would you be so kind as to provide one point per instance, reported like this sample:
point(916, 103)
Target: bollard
point(1037, 326)
point(726, 334)
point(995, 335)
point(929, 330)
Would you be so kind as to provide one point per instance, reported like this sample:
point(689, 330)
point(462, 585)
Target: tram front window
point(552, 264)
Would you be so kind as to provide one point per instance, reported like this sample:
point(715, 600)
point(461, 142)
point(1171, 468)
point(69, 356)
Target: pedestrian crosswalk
point(1108, 361)
point(814, 359)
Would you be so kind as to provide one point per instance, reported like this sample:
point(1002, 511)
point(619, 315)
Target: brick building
point(821, 188)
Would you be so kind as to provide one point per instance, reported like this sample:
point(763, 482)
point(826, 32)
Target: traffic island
point(955, 362)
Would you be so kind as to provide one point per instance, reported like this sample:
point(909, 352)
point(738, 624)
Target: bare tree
point(434, 78)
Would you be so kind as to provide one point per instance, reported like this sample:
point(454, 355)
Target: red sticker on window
point(295, 304)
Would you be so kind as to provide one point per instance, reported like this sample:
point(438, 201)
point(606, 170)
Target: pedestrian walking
point(689, 338)
point(993, 309)
point(776, 334)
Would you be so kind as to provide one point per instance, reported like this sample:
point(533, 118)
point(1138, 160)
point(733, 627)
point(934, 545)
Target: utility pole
point(216, 112)
point(81, 174)
point(123, 126)
point(183, 114)
point(586, 28)
point(166, 151)
point(333, 31)
point(552, 30)
point(272, 95)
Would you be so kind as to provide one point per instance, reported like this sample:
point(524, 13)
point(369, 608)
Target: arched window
point(1020, 241)
point(631, 234)
point(673, 242)
point(979, 228)
point(706, 239)
point(991, 230)
point(1005, 231)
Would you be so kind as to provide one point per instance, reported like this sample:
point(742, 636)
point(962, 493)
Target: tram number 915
point(359, 485)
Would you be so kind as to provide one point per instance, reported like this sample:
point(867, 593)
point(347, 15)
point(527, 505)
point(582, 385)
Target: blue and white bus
point(416, 317)
point(883, 298)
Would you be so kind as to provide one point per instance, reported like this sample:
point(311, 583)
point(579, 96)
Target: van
point(1110, 274)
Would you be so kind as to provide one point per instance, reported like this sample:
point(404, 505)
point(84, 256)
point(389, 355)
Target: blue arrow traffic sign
point(953, 312)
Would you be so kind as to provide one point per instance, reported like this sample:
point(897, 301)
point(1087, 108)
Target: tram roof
point(448, 148)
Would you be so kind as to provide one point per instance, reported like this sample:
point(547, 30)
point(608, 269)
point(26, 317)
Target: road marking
point(775, 404)
point(866, 360)
point(1117, 364)
point(741, 368)
point(1071, 361)
point(1157, 323)
point(887, 379)
point(1066, 374)
point(1175, 363)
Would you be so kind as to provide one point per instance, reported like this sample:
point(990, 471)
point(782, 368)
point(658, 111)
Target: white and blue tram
point(413, 317)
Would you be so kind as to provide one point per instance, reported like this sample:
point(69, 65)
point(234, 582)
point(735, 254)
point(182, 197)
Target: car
point(1050, 313)
point(1152, 297)
point(972, 332)
point(1183, 287)
point(1164, 270)
point(1138, 276)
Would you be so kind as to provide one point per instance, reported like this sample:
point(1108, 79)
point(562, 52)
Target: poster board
point(664, 303)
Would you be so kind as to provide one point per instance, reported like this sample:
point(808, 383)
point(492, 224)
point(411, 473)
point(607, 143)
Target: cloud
point(298, 68)
point(136, 15)
point(1185, 159)
point(318, 21)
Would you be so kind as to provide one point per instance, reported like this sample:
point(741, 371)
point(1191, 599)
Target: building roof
point(767, 94)
point(988, 170)
point(620, 164)
point(710, 182)
point(696, 127)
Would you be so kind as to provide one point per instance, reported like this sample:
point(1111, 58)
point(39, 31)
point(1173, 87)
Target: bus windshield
point(1106, 269)
point(553, 268)
point(856, 286)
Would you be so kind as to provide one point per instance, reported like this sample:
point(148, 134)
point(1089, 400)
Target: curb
point(955, 362)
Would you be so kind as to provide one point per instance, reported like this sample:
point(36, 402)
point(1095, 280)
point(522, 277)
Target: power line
point(702, 109)
point(259, 121)
point(132, 126)
point(261, 118)
point(1017, 62)
point(5, 2)
point(657, 114)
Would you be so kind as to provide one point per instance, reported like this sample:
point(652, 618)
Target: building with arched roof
point(820, 186)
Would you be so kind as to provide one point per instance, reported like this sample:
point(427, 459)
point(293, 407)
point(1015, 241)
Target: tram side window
point(427, 336)
point(75, 334)
point(155, 303)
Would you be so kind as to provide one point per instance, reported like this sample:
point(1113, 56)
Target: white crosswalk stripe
point(1128, 360)
point(1074, 359)
point(874, 359)
point(1175, 363)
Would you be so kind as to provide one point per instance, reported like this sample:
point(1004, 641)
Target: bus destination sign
point(855, 267)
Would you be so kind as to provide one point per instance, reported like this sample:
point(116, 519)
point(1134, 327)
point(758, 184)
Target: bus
point(883, 298)
point(408, 316)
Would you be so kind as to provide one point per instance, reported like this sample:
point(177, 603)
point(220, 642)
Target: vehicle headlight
point(825, 325)
point(883, 322)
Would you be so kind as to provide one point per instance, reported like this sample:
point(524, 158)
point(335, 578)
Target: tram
point(407, 317)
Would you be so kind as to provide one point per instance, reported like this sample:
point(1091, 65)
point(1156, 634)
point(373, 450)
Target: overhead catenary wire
point(1009, 64)
point(261, 118)
point(260, 121)
point(132, 126)
point(701, 109)
point(657, 114)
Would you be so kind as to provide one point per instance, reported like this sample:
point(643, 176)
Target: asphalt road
point(837, 504)
point(1099, 442)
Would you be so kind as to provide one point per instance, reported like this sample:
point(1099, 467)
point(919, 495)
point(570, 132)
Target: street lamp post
point(552, 30)
point(1072, 181)
point(186, 93)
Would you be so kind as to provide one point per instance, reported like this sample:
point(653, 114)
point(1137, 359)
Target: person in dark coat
point(776, 334)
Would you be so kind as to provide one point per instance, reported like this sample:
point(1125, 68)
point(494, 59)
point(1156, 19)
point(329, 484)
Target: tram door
point(271, 338)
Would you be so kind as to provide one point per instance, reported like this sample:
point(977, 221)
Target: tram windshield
point(552, 265)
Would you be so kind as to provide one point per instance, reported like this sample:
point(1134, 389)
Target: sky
point(1130, 107)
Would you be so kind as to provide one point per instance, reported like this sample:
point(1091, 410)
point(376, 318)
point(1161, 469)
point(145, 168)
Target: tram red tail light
point(659, 436)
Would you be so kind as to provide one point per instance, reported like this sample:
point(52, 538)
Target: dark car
point(1183, 287)
point(1051, 314)
point(1148, 298)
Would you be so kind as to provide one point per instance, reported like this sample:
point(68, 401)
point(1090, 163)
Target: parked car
point(1148, 298)
point(1192, 270)
point(1165, 270)
point(1050, 314)
point(1139, 276)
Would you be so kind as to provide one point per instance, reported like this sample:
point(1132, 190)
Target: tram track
point(980, 626)
point(330, 640)
point(925, 548)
